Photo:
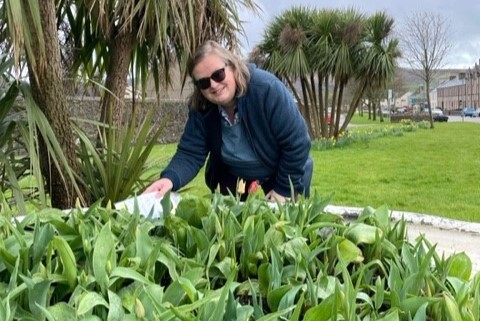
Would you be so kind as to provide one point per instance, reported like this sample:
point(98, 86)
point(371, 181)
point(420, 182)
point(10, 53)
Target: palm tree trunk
point(334, 108)
point(48, 92)
point(315, 111)
point(310, 91)
point(357, 98)
point(380, 109)
point(306, 107)
point(339, 109)
point(303, 104)
point(113, 100)
point(324, 101)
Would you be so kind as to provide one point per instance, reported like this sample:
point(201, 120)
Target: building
point(472, 87)
point(460, 91)
point(451, 93)
point(402, 101)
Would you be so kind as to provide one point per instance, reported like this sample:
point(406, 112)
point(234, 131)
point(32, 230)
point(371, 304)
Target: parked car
point(470, 112)
point(440, 118)
point(435, 111)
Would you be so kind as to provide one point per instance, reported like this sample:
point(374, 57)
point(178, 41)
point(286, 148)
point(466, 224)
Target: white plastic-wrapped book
point(150, 205)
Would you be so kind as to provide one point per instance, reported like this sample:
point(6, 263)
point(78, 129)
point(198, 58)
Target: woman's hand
point(273, 196)
point(162, 186)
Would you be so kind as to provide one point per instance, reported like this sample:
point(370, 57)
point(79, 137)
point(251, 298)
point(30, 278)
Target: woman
point(246, 122)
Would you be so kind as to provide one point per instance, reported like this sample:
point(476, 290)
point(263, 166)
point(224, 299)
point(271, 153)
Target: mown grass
point(357, 119)
point(425, 171)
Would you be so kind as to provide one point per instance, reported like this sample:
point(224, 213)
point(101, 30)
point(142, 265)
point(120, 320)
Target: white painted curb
point(414, 218)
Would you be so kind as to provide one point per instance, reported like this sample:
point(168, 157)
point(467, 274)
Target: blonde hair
point(240, 71)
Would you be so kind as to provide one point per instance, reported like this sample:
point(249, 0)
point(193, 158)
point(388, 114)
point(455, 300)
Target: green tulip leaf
point(460, 266)
point(360, 233)
point(90, 300)
point(349, 252)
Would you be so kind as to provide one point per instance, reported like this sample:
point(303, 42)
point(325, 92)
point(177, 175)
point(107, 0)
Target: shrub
point(360, 135)
point(414, 117)
point(115, 166)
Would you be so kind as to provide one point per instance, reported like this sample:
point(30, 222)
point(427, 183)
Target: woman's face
point(215, 80)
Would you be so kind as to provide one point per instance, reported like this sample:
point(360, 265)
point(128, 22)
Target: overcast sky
point(463, 17)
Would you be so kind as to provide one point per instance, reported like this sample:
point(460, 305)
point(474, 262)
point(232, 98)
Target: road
point(465, 119)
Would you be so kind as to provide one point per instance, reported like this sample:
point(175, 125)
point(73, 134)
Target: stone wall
point(173, 112)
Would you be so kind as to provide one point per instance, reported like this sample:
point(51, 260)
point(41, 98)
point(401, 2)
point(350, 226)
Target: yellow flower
point(241, 187)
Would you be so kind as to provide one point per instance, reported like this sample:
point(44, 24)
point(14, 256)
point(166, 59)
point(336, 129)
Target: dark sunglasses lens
point(218, 75)
point(203, 83)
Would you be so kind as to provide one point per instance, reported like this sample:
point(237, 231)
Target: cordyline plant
point(322, 54)
point(116, 164)
point(219, 259)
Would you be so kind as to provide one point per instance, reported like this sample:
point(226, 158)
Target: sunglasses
point(217, 76)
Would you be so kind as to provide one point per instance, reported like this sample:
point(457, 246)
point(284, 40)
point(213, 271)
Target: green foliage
point(13, 167)
point(23, 127)
point(110, 171)
point(114, 167)
point(226, 260)
point(361, 136)
point(348, 137)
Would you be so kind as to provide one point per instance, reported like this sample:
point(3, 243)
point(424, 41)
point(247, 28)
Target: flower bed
point(217, 259)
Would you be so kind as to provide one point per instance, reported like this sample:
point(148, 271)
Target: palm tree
point(345, 47)
point(147, 37)
point(111, 37)
point(287, 52)
point(328, 48)
point(321, 51)
point(376, 62)
point(33, 31)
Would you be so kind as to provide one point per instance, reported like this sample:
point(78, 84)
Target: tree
point(426, 43)
point(33, 28)
point(145, 38)
point(323, 51)
point(377, 64)
point(111, 38)
point(374, 97)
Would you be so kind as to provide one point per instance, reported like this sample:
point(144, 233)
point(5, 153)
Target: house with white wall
point(402, 100)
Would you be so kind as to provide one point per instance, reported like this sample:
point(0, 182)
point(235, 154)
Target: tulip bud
point(139, 309)
point(241, 187)
point(253, 187)
point(108, 268)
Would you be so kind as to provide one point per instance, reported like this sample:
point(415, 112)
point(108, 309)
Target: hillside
point(412, 80)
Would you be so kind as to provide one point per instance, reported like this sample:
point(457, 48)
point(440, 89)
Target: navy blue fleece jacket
point(275, 128)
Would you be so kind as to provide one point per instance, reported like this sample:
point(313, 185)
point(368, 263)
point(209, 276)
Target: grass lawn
point(426, 171)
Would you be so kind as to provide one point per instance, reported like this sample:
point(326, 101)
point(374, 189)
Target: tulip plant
point(216, 258)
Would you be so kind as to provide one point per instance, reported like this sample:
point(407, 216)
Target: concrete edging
point(414, 218)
